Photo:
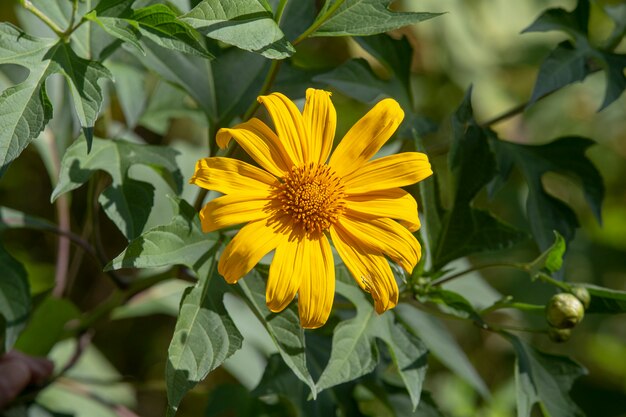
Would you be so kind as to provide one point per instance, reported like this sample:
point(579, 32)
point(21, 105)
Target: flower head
point(299, 198)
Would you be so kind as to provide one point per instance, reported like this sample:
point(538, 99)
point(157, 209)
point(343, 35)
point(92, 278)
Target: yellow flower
point(299, 199)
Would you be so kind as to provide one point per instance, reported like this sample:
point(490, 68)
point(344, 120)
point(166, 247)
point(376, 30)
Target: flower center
point(312, 195)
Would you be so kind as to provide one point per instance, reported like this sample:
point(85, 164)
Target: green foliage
point(139, 90)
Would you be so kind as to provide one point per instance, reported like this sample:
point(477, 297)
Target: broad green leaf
point(162, 298)
point(245, 24)
point(605, 300)
point(46, 326)
point(551, 259)
point(442, 345)
point(544, 379)
point(465, 229)
point(180, 242)
point(297, 16)
point(14, 298)
point(117, 28)
point(284, 328)
point(126, 201)
point(363, 17)
point(204, 337)
point(565, 155)
point(355, 353)
point(160, 24)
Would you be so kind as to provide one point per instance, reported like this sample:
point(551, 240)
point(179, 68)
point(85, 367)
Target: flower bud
point(559, 335)
point(582, 294)
point(564, 311)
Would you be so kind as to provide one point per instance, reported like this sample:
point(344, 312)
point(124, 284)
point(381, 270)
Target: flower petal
point(252, 243)
point(389, 172)
point(317, 288)
point(261, 143)
point(233, 209)
point(384, 236)
point(366, 137)
point(228, 175)
point(288, 124)
point(320, 118)
point(370, 269)
point(394, 203)
point(286, 270)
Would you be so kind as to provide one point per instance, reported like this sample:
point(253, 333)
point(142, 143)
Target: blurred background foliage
point(475, 43)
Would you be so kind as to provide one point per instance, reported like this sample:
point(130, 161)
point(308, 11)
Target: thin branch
point(29, 6)
point(318, 22)
point(267, 84)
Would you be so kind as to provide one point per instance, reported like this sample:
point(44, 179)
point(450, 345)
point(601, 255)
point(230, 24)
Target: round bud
point(564, 311)
point(582, 294)
point(559, 335)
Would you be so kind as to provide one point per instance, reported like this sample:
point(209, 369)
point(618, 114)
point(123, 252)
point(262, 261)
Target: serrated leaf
point(551, 259)
point(204, 337)
point(363, 17)
point(442, 345)
point(160, 24)
point(245, 24)
point(355, 353)
point(465, 229)
point(565, 155)
point(181, 242)
point(605, 300)
point(46, 326)
point(284, 328)
point(126, 201)
point(14, 298)
point(545, 379)
point(575, 23)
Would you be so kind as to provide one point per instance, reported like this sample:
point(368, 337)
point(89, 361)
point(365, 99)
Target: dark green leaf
point(453, 303)
point(564, 155)
point(427, 407)
point(245, 24)
point(160, 24)
point(179, 243)
point(605, 300)
point(126, 201)
point(14, 298)
point(614, 65)
point(46, 326)
point(363, 17)
point(467, 230)
point(575, 23)
point(355, 353)
point(284, 328)
point(441, 344)
point(545, 379)
point(394, 55)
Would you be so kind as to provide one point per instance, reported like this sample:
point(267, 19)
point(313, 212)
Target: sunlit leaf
point(551, 259)
point(355, 353)
point(245, 24)
point(363, 17)
point(284, 328)
point(126, 201)
point(544, 379)
point(14, 299)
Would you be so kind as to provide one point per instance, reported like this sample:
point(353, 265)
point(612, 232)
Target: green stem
point(549, 280)
point(73, 17)
point(279, 11)
point(318, 22)
point(267, 84)
point(533, 308)
point(443, 280)
point(29, 6)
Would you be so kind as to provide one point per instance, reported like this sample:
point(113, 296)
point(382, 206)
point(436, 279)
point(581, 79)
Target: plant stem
point(533, 308)
point(29, 6)
point(279, 11)
point(443, 280)
point(549, 280)
point(267, 84)
point(318, 22)
point(73, 17)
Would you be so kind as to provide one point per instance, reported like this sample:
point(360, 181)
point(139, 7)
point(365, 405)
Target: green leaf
point(394, 54)
point(126, 201)
point(14, 219)
point(204, 337)
point(180, 242)
point(442, 345)
point(605, 300)
point(427, 407)
point(565, 155)
point(551, 259)
point(452, 303)
point(245, 24)
point(131, 91)
point(355, 353)
point(363, 17)
point(162, 298)
point(46, 326)
point(466, 230)
point(284, 328)
point(14, 298)
point(160, 24)
point(544, 379)
point(117, 28)
point(575, 23)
